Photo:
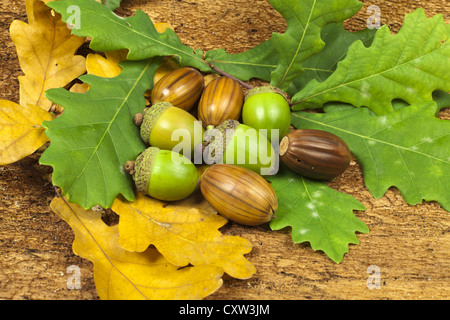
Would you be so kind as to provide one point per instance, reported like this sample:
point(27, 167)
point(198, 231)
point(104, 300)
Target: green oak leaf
point(95, 136)
point(111, 4)
point(137, 33)
point(317, 214)
point(279, 59)
point(321, 65)
point(258, 62)
point(410, 66)
point(408, 149)
point(442, 99)
point(305, 20)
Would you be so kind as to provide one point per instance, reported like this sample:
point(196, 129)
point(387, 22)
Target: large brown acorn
point(239, 194)
point(221, 100)
point(181, 87)
point(315, 154)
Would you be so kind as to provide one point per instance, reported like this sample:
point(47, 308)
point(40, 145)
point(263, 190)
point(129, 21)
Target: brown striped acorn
point(315, 154)
point(239, 194)
point(181, 87)
point(221, 100)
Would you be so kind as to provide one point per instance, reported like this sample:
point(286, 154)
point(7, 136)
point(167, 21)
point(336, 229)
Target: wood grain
point(409, 244)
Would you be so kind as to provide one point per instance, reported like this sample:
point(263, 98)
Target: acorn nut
point(181, 87)
point(159, 122)
point(266, 108)
point(239, 144)
point(221, 100)
point(166, 67)
point(163, 174)
point(239, 194)
point(315, 154)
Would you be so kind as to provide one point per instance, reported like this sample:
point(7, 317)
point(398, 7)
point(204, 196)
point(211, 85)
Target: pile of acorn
point(235, 130)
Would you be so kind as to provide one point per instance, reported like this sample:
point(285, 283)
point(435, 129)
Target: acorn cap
point(150, 117)
point(265, 89)
point(217, 147)
point(143, 168)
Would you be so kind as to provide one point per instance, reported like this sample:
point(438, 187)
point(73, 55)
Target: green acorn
point(267, 108)
point(239, 144)
point(163, 174)
point(158, 122)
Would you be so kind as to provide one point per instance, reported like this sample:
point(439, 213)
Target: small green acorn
point(234, 143)
point(267, 108)
point(158, 123)
point(163, 174)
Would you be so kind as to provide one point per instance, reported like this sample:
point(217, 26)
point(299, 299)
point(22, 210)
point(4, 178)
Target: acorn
point(210, 77)
point(159, 122)
point(267, 108)
point(315, 154)
point(168, 66)
point(221, 100)
point(239, 194)
point(163, 174)
point(234, 143)
point(181, 87)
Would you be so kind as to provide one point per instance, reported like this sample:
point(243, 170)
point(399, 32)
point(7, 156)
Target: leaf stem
point(242, 83)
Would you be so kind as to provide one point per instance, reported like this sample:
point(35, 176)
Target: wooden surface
point(409, 244)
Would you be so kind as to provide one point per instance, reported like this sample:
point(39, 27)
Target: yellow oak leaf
point(101, 66)
point(21, 132)
point(46, 52)
point(80, 88)
point(168, 66)
point(123, 275)
point(184, 235)
point(117, 56)
point(162, 26)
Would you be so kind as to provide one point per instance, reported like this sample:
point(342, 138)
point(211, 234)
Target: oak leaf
point(136, 33)
point(407, 149)
point(46, 52)
point(111, 4)
point(120, 274)
point(182, 234)
point(116, 56)
point(316, 214)
point(280, 59)
point(98, 65)
point(21, 132)
point(409, 65)
point(96, 135)
point(101, 66)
